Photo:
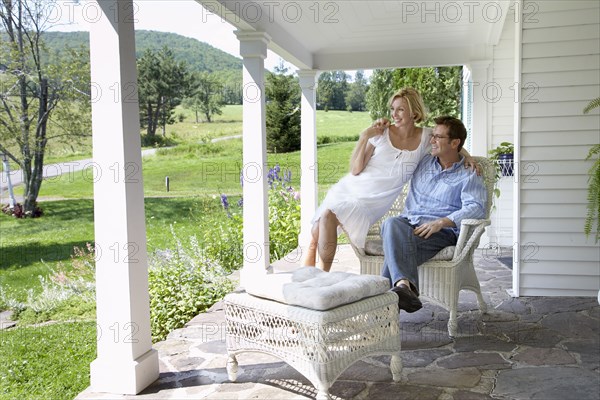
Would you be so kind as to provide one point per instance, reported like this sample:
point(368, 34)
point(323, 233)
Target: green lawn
point(186, 132)
point(31, 369)
point(330, 123)
point(195, 170)
point(341, 123)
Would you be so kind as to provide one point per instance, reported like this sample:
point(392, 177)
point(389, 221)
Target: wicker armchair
point(448, 272)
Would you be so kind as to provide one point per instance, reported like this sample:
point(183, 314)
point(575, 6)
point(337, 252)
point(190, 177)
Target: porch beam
point(126, 362)
point(308, 153)
point(253, 49)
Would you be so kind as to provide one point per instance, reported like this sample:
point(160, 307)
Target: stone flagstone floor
point(524, 348)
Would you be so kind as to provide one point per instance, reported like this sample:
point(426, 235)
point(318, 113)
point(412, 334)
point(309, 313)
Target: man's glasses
point(438, 137)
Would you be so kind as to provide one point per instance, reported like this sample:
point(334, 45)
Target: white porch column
point(481, 125)
point(253, 49)
point(126, 362)
point(308, 153)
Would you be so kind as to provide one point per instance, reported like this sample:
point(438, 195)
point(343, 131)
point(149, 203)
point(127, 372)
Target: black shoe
point(407, 300)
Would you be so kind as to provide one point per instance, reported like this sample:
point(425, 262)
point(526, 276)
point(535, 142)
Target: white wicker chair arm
point(360, 252)
point(471, 230)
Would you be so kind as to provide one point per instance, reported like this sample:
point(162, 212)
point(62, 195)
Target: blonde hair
point(414, 101)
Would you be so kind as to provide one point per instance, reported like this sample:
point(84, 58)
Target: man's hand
point(472, 164)
point(429, 228)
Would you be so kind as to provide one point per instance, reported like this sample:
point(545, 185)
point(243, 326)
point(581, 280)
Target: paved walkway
point(524, 348)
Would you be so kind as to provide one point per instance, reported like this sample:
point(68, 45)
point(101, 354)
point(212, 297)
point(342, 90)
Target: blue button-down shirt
point(456, 193)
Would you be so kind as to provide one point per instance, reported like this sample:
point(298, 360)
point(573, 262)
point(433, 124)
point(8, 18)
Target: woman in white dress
point(382, 163)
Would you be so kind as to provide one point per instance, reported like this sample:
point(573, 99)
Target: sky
point(184, 17)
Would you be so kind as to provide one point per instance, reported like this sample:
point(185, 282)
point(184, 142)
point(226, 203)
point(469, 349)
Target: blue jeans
point(404, 251)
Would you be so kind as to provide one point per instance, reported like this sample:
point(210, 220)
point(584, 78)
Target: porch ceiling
point(349, 34)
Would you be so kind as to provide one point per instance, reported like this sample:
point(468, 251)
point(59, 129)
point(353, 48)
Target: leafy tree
point(325, 91)
point(162, 82)
point(380, 91)
point(38, 102)
point(341, 87)
point(206, 97)
point(283, 111)
point(331, 90)
point(356, 95)
point(440, 88)
point(232, 86)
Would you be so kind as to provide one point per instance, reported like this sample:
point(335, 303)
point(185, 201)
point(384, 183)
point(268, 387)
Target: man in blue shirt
point(442, 193)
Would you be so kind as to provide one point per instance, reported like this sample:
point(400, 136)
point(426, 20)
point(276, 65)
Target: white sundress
point(358, 201)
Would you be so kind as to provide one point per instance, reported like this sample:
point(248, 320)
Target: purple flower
point(240, 202)
point(287, 176)
point(224, 201)
point(271, 177)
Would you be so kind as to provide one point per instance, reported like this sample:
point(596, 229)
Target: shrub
point(66, 289)
point(284, 223)
point(284, 214)
point(336, 139)
point(224, 243)
point(156, 141)
point(182, 283)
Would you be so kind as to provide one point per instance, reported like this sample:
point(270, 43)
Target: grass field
point(46, 362)
point(229, 123)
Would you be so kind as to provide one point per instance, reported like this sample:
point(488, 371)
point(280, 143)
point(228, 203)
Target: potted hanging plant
point(503, 158)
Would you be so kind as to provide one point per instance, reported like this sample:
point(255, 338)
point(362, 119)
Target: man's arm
point(473, 197)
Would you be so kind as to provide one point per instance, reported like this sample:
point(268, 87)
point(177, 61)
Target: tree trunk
point(149, 131)
point(156, 119)
point(34, 183)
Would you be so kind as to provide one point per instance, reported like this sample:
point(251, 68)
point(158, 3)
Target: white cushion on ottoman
point(313, 288)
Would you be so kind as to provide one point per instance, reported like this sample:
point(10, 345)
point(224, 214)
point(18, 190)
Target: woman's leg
point(310, 258)
point(328, 224)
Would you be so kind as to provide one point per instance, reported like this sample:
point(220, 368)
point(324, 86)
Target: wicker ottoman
point(318, 344)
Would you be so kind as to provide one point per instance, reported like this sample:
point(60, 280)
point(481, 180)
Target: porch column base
point(124, 376)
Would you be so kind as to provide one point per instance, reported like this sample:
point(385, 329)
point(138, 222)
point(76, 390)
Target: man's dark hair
point(456, 129)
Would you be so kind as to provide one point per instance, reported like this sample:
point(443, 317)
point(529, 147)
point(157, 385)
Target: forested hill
point(199, 55)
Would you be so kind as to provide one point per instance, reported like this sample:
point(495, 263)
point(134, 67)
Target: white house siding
point(561, 64)
point(501, 96)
